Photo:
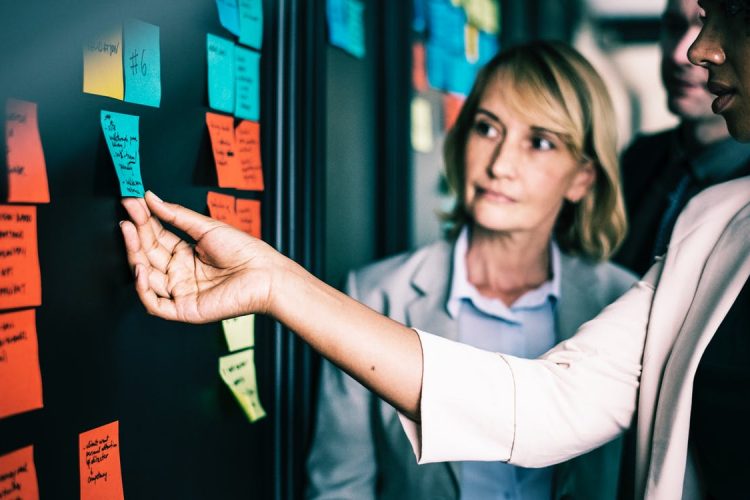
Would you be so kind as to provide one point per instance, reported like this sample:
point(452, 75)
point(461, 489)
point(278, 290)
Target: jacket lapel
point(725, 272)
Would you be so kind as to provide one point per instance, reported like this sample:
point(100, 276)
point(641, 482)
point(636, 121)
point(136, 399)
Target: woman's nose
point(707, 49)
point(503, 162)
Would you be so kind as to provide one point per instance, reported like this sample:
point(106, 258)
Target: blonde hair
point(550, 84)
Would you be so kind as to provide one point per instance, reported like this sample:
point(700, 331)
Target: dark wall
point(102, 358)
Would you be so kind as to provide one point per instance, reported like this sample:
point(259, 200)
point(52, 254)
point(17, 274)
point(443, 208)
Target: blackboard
point(102, 358)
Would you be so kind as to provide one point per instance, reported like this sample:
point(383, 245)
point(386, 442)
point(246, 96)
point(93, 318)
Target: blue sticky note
point(437, 66)
point(247, 79)
point(220, 55)
point(142, 63)
point(229, 15)
point(121, 135)
point(346, 27)
point(251, 23)
point(489, 46)
point(460, 75)
point(446, 23)
point(418, 21)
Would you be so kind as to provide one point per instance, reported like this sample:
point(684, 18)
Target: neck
point(507, 265)
point(698, 134)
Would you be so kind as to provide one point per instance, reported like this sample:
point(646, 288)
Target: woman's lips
point(495, 196)
point(725, 95)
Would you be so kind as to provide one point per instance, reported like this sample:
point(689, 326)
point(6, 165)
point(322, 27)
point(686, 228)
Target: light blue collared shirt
point(526, 329)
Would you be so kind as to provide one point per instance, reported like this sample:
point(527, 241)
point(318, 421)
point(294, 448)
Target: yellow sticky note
point(102, 64)
point(421, 125)
point(239, 332)
point(238, 372)
point(484, 15)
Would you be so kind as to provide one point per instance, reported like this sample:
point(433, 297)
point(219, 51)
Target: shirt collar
point(462, 290)
point(716, 162)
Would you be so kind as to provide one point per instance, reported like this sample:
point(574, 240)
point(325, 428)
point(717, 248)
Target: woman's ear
point(582, 183)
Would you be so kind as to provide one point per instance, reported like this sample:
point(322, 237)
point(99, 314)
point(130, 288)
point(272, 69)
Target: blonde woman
point(532, 162)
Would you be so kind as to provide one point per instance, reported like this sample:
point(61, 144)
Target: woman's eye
point(541, 144)
point(484, 129)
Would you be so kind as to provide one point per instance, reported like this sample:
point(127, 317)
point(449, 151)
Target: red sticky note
point(221, 131)
point(247, 139)
point(451, 108)
point(418, 74)
point(221, 207)
point(99, 453)
point(248, 217)
point(27, 171)
point(21, 389)
point(20, 279)
point(18, 475)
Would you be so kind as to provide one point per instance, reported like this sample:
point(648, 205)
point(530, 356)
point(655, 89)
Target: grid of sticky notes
point(124, 62)
point(233, 74)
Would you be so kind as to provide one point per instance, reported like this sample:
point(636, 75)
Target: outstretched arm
point(227, 273)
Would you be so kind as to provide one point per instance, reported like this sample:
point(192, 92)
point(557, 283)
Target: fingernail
point(122, 222)
point(156, 197)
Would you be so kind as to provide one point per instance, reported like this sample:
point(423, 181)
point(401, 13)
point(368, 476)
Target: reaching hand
point(225, 274)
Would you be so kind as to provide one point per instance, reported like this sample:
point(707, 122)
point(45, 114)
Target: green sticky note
point(239, 332)
point(142, 63)
point(238, 372)
point(251, 23)
point(121, 134)
point(220, 54)
point(247, 80)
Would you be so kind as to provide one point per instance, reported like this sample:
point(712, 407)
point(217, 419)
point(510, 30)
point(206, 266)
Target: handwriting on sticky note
point(99, 463)
point(20, 279)
point(251, 23)
point(121, 134)
point(239, 332)
point(247, 84)
point(21, 389)
point(421, 125)
point(247, 139)
point(142, 63)
point(222, 207)
point(221, 132)
point(102, 64)
point(220, 56)
point(248, 217)
point(27, 170)
point(18, 475)
point(229, 16)
point(238, 372)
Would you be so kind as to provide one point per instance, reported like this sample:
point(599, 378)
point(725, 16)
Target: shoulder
point(398, 271)
point(712, 209)
point(604, 279)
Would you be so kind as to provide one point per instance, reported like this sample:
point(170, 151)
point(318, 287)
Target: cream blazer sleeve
point(478, 405)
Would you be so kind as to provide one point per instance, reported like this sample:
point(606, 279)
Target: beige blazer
point(585, 391)
point(359, 450)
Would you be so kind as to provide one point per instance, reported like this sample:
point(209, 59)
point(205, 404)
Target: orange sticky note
point(222, 207)
point(20, 279)
point(247, 139)
point(27, 171)
point(18, 475)
point(451, 108)
point(221, 131)
point(418, 74)
point(248, 217)
point(21, 389)
point(99, 461)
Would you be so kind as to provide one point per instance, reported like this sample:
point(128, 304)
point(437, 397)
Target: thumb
point(194, 224)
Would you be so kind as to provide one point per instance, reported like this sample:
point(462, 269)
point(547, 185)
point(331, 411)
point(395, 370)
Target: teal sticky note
point(141, 63)
point(247, 79)
point(355, 27)
point(251, 23)
point(229, 16)
point(220, 55)
point(121, 134)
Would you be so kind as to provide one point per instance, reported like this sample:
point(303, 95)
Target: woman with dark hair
point(532, 162)
point(674, 347)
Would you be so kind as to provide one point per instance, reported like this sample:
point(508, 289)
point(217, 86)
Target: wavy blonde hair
point(549, 84)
